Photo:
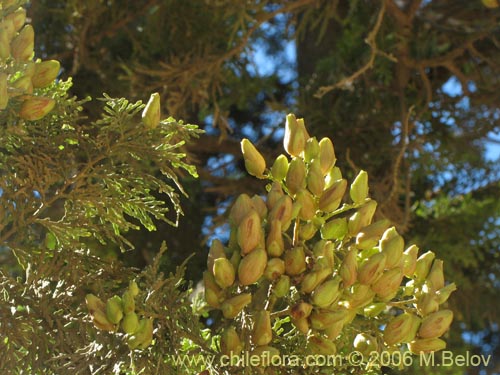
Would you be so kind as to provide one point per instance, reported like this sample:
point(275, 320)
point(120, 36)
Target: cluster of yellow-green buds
point(20, 76)
point(309, 246)
point(120, 314)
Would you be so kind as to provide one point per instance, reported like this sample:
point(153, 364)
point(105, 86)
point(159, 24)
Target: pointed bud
point(274, 269)
point(260, 206)
point(372, 310)
point(426, 345)
point(308, 206)
point(392, 245)
point(130, 323)
point(252, 267)
point(223, 273)
point(143, 336)
point(436, 324)
point(403, 328)
point(372, 269)
point(151, 114)
point(332, 176)
point(233, 306)
point(133, 288)
point(320, 345)
point(36, 108)
point(444, 293)
point(22, 45)
point(314, 179)
point(45, 73)
point(4, 97)
point(410, 260)
point(295, 261)
point(423, 266)
point(22, 86)
point(18, 18)
point(241, 208)
point(301, 310)
point(128, 302)
point(325, 294)
point(280, 168)
point(101, 321)
point(254, 161)
point(334, 330)
point(274, 241)
point(335, 229)
point(349, 268)
point(213, 294)
point(250, 233)
point(8, 27)
point(262, 333)
point(295, 136)
point(427, 304)
point(114, 309)
point(359, 188)
point(331, 198)
point(354, 224)
point(296, 176)
point(326, 155)
point(307, 231)
point(282, 287)
point(322, 319)
point(435, 278)
point(369, 236)
point(4, 45)
point(94, 303)
point(360, 296)
point(282, 212)
point(230, 342)
point(216, 251)
point(325, 249)
point(301, 324)
point(311, 150)
point(388, 284)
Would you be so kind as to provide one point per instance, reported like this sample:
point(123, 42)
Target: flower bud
point(301, 324)
point(314, 179)
point(114, 309)
point(241, 208)
point(354, 224)
point(349, 268)
point(374, 309)
point(128, 302)
point(254, 161)
point(8, 27)
point(444, 293)
point(435, 324)
point(22, 86)
point(143, 336)
point(308, 206)
point(151, 114)
point(252, 267)
point(18, 18)
point(133, 288)
point(233, 306)
point(94, 303)
point(427, 304)
point(325, 294)
point(4, 45)
point(372, 269)
point(36, 108)
point(230, 342)
point(274, 269)
point(295, 261)
point(332, 197)
point(325, 249)
point(45, 73)
point(322, 319)
point(22, 45)
point(310, 281)
point(280, 168)
point(296, 176)
point(366, 212)
point(282, 287)
point(130, 323)
point(307, 231)
point(301, 310)
point(260, 206)
point(335, 229)
point(426, 345)
point(423, 265)
point(223, 272)
point(410, 260)
point(311, 150)
point(435, 278)
point(332, 175)
point(388, 284)
point(101, 321)
point(359, 188)
point(274, 241)
point(274, 195)
point(326, 155)
point(262, 332)
point(360, 296)
point(369, 236)
point(402, 328)
point(282, 211)
point(320, 345)
point(392, 245)
point(295, 136)
point(334, 330)
point(216, 251)
point(250, 232)
point(4, 97)
point(213, 294)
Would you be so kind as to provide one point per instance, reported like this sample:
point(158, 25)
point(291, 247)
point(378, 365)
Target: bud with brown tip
point(274, 269)
point(282, 211)
point(254, 161)
point(435, 324)
point(36, 108)
point(372, 269)
point(402, 328)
